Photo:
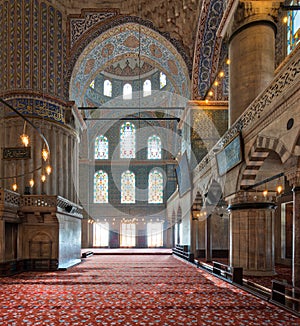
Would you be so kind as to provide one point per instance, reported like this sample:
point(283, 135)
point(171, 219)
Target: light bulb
point(45, 154)
point(265, 193)
point(221, 74)
point(285, 19)
point(14, 187)
point(43, 177)
point(210, 93)
point(31, 183)
point(279, 189)
point(48, 169)
point(25, 139)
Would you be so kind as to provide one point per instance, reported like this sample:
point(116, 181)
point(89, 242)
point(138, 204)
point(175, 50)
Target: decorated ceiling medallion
point(107, 50)
point(155, 51)
point(131, 42)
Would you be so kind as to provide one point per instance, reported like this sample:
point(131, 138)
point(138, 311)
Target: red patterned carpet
point(132, 290)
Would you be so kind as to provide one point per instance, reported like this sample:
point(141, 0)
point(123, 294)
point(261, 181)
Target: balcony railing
point(14, 200)
point(9, 198)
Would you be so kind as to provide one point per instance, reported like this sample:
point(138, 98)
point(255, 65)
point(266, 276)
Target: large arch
point(258, 154)
point(209, 48)
point(128, 39)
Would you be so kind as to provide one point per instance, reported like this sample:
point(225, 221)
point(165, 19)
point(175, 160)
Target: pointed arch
point(111, 43)
point(258, 154)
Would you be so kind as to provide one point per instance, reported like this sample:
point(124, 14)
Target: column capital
point(293, 177)
point(253, 12)
point(255, 7)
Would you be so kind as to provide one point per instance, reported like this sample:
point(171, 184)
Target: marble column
point(252, 234)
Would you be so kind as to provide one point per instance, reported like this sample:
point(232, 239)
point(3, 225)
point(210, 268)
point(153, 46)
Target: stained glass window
point(101, 148)
point(127, 140)
point(156, 186)
point(147, 88)
point(100, 187)
point(154, 148)
point(162, 80)
point(127, 92)
point(107, 88)
point(127, 187)
point(293, 27)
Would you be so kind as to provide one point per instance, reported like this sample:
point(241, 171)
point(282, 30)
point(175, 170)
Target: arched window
point(101, 148)
point(154, 148)
point(107, 88)
point(100, 187)
point(162, 80)
point(156, 185)
point(127, 92)
point(127, 187)
point(127, 140)
point(147, 87)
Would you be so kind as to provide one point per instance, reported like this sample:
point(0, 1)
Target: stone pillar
point(252, 234)
point(208, 239)
point(2, 242)
point(84, 232)
point(296, 237)
point(251, 53)
point(38, 92)
point(193, 224)
point(293, 176)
